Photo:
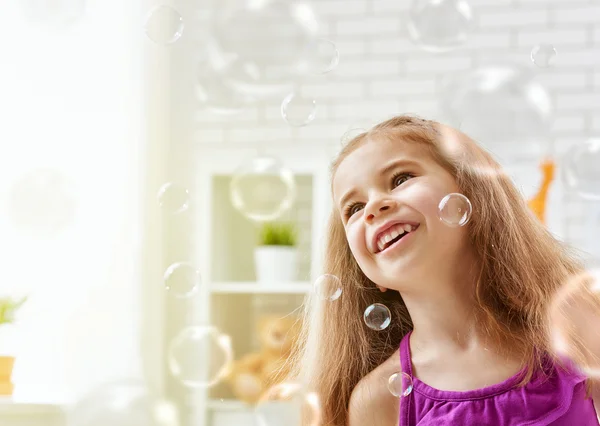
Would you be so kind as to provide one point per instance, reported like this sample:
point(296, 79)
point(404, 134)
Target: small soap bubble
point(543, 55)
point(377, 317)
point(173, 198)
point(582, 169)
point(288, 404)
point(200, 356)
point(328, 287)
point(262, 189)
point(298, 111)
point(164, 25)
point(400, 384)
point(455, 210)
point(182, 279)
point(322, 57)
point(574, 319)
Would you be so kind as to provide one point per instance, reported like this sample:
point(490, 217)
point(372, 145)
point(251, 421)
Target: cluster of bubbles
point(235, 74)
point(254, 51)
point(377, 317)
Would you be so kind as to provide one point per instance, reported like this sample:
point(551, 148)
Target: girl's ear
point(382, 289)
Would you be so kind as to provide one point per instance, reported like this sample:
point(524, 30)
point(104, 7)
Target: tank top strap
point(406, 367)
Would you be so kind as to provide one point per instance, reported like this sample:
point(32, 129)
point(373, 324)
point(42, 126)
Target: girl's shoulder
point(371, 402)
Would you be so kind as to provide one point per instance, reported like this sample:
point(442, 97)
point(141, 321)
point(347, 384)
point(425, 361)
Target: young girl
point(468, 304)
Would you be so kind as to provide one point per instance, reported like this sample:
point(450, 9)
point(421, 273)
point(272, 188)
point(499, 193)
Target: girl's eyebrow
point(382, 172)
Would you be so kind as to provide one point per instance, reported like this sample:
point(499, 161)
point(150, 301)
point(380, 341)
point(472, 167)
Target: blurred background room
point(164, 182)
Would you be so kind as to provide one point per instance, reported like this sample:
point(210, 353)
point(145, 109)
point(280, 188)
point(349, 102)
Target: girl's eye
point(400, 178)
point(353, 208)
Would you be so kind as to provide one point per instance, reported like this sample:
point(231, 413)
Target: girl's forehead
point(373, 156)
point(375, 151)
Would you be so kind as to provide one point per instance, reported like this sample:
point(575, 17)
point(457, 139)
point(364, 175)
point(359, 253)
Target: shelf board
point(9, 406)
point(245, 287)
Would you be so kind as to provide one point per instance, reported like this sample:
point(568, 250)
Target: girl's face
point(387, 193)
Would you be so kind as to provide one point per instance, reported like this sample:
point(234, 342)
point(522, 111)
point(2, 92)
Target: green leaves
point(278, 234)
point(8, 307)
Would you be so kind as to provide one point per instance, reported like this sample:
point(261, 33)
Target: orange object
point(6, 368)
point(538, 202)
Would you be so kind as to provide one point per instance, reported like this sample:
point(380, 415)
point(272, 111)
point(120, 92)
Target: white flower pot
point(275, 263)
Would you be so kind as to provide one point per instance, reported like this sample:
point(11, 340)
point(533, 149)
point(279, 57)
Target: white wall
point(381, 73)
point(71, 100)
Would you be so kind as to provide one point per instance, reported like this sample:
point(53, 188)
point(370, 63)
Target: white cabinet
point(230, 298)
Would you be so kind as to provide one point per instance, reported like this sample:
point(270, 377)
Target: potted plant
point(276, 255)
point(8, 308)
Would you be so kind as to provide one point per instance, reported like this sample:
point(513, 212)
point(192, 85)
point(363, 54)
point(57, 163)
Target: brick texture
point(381, 72)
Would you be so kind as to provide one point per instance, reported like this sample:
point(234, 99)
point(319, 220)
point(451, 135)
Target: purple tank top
point(558, 401)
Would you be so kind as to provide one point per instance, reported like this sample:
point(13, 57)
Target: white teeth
point(392, 233)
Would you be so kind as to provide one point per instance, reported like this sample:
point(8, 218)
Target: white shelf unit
point(14, 413)
point(230, 298)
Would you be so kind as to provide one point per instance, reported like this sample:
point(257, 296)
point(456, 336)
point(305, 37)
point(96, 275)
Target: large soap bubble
point(262, 188)
point(200, 356)
point(123, 403)
point(582, 169)
point(439, 25)
point(213, 91)
point(272, 37)
point(503, 108)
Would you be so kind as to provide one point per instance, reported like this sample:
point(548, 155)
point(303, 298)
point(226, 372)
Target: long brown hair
point(521, 265)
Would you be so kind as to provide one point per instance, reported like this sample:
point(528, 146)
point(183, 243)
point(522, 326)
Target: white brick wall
point(381, 73)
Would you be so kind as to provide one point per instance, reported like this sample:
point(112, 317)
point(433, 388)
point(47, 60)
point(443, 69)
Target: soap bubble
point(182, 279)
point(543, 55)
point(200, 356)
point(574, 319)
point(582, 169)
point(262, 189)
point(455, 210)
point(322, 57)
point(215, 94)
point(351, 134)
point(43, 201)
point(173, 198)
point(123, 403)
point(328, 287)
point(164, 25)
point(52, 13)
point(400, 384)
point(504, 109)
point(377, 317)
point(288, 404)
point(439, 25)
point(271, 36)
point(298, 111)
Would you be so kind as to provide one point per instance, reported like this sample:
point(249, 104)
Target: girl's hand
point(574, 320)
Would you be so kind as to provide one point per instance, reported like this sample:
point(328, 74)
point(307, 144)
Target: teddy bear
point(255, 373)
